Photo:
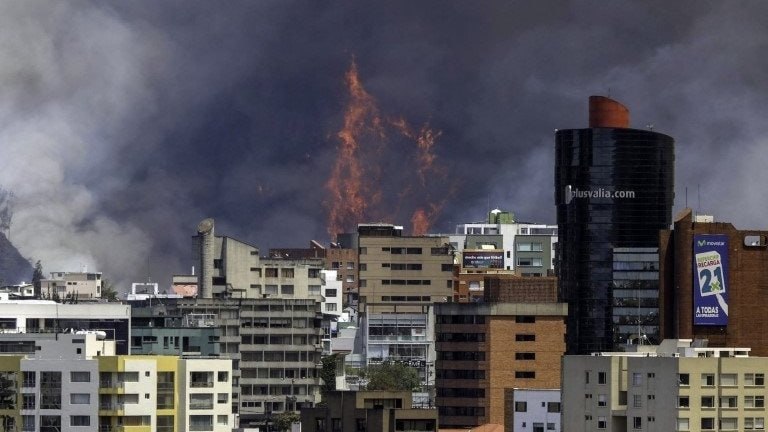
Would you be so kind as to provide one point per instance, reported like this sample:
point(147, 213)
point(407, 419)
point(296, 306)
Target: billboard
point(483, 259)
point(710, 279)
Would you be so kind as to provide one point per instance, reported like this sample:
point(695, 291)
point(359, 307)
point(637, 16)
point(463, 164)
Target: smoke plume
point(123, 124)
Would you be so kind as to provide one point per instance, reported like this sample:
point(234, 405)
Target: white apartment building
point(81, 285)
point(515, 237)
point(332, 292)
point(679, 385)
point(205, 396)
point(534, 410)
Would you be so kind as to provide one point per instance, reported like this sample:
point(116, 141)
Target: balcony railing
point(200, 384)
point(200, 405)
point(201, 427)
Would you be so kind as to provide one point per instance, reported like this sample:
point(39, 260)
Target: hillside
point(13, 267)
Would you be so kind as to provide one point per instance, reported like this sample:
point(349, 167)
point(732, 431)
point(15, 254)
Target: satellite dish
point(205, 226)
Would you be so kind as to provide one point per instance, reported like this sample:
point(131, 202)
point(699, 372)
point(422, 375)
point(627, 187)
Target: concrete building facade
point(486, 350)
point(680, 385)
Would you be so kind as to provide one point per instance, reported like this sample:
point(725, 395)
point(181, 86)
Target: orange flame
point(355, 185)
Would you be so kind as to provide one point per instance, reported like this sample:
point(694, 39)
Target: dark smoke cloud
point(122, 124)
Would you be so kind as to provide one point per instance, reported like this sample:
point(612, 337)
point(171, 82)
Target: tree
point(328, 374)
point(284, 420)
point(108, 291)
point(37, 277)
point(391, 377)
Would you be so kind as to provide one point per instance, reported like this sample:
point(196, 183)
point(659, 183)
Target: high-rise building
point(614, 192)
point(713, 283)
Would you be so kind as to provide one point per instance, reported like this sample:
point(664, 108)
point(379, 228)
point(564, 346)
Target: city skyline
point(126, 124)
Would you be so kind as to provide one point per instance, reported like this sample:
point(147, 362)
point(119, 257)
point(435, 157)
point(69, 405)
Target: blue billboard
point(710, 279)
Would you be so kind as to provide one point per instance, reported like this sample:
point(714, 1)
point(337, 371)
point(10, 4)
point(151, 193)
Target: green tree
point(284, 420)
point(108, 291)
point(391, 377)
point(37, 277)
point(328, 374)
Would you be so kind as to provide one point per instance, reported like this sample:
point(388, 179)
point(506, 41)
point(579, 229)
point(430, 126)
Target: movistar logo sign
point(710, 243)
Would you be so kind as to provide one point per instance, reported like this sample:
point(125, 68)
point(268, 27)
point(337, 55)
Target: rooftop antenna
point(698, 192)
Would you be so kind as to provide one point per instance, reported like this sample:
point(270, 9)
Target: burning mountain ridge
point(385, 169)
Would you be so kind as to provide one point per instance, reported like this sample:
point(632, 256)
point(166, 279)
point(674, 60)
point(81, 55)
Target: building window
point(222, 420)
point(637, 401)
point(637, 423)
point(27, 401)
point(525, 337)
point(754, 379)
point(29, 379)
point(350, 265)
point(79, 420)
point(363, 267)
point(707, 380)
point(602, 377)
point(362, 251)
point(683, 379)
point(287, 289)
point(586, 377)
point(331, 307)
point(707, 401)
point(728, 379)
point(601, 400)
point(525, 374)
point(222, 398)
point(525, 356)
point(601, 423)
point(521, 406)
point(525, 319)
point(270, 289)
point(728, 402)
point(49, 423)
point(754, 423)
point(637, 379)
point(28, 423)
point(331, 292)
point(728, 423)
point(313, 273)
point(270, 272)
point(79, 398)
point(754, 401)
point(683, 402)
point(223, 376)
point(200, 423)
point(529, 262)
point(707, 423)
point(683, 424)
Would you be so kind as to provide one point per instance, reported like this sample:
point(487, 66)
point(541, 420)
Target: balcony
point(201, 405)
point(201, 384)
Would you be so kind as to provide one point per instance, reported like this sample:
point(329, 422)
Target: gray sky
point(123, 124)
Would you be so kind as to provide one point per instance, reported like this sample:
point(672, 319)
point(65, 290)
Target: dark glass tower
point(614, 192)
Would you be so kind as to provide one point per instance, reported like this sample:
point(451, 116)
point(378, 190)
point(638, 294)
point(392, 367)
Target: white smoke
point(69, 79)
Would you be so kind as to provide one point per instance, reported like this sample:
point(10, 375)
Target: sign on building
point(710, 279)
point(483, 259)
